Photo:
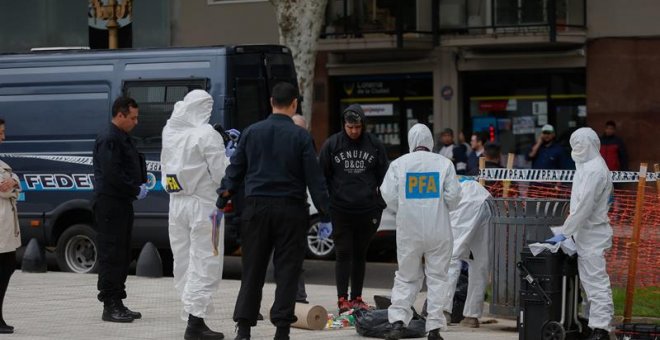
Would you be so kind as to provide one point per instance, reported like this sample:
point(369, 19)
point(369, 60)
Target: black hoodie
point(354, 169)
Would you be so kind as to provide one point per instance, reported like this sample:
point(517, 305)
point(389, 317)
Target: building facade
point(503, 66)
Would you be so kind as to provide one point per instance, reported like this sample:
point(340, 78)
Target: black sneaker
point(396, 331)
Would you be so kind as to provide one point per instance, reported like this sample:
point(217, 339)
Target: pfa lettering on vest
point(422, 185)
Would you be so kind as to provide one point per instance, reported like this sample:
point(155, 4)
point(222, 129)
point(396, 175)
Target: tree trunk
point(299, 23)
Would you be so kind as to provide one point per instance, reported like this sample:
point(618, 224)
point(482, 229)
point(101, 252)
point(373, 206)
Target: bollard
point(34, 259)
point(149, 263)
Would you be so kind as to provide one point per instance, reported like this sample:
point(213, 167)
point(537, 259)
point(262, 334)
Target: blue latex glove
point(231, 147)
point(143, 192)
point(325, 229)
point(556, 239)
point(233, 134)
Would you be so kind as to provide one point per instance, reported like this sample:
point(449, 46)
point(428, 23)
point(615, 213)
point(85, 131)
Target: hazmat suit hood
point(420, 135)
point(193, 111)
point(585, 144)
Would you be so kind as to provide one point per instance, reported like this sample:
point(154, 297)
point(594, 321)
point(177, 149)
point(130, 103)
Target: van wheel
point(317, 248)
point(76, 249)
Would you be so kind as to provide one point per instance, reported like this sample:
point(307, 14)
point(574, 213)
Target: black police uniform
point(276, 161)
point(119, 170)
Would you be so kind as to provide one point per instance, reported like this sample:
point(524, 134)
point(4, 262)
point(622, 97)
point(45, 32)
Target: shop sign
point(366, 88)
point(492, 105)
point(498, 105)
point(371, 110)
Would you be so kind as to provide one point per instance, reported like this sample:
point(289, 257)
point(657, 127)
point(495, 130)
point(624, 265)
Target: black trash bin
point(549, 294)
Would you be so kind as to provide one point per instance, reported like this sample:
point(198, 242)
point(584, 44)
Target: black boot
point(134, 315)
point(599, 334)
point(6, 329)
point(282, 333)
point(113, 312)
point(198, 330)
point(242, 331)
point(396, 331)
point(435, 335)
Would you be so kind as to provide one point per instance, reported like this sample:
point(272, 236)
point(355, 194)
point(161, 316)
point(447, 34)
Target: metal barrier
point(514, 223)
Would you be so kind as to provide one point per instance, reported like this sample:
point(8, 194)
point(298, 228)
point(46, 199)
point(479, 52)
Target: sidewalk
point(63, 306)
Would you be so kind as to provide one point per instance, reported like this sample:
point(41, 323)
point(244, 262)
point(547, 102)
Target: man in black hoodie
point(354, 163)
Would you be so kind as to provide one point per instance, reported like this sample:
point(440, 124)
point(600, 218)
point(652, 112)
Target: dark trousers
point(114, 223)
point(7, 266)
point(268, 225)
point(352, 235)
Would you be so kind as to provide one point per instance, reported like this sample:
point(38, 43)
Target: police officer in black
point(276, 161)
point(119, 179)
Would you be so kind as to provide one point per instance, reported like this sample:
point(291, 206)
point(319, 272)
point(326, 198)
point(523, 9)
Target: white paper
point(540, 108)
point(542, 120)
point(567, 245)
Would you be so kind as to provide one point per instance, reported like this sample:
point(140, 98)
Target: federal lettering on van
point(69, 182)
point(58, 182)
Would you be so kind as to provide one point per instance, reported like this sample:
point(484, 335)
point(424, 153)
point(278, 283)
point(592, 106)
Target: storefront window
point(392, 104)
point(513, 106)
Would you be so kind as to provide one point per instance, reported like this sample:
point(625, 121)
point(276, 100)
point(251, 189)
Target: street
point(58, 305)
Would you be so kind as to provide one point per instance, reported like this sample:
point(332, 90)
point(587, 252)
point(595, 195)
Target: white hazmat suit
point(589, 224)
point(421, 188)
point(193, 163)
point(469, 223)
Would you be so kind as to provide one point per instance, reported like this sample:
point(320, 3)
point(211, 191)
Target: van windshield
point(156, 100)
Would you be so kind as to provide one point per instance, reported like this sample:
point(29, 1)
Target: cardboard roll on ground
point(312, 317)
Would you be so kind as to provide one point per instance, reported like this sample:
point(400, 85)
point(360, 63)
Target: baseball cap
point(548, 128)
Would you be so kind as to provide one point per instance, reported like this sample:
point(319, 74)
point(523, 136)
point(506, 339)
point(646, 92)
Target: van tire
point(317, 249)
point(76, 250)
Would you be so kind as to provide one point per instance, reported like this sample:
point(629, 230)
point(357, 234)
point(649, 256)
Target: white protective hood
point(585, 144)
point(193, 111)
point(192, 150)
point(420, 135)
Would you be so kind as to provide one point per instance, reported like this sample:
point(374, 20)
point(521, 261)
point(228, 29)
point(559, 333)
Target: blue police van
point(54, 103)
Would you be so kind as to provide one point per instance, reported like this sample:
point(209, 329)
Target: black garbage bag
point(460, 295)
point(374, 324)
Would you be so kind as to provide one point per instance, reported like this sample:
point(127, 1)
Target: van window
point(251, 101)
point(41, 113)
point(156, 100)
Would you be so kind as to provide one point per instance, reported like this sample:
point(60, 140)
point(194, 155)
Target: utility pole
point(112, 12)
